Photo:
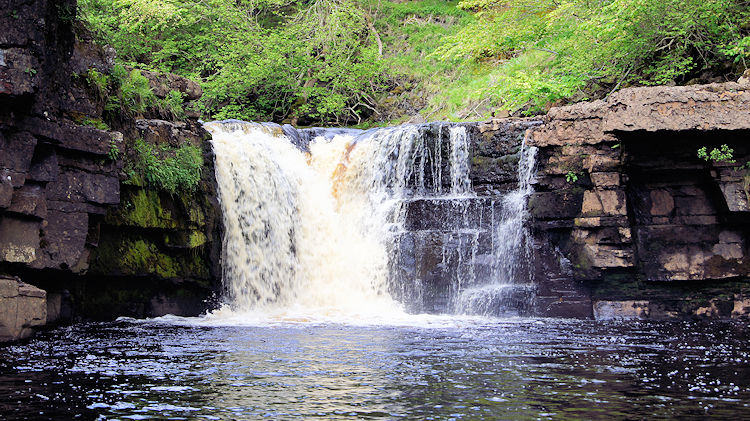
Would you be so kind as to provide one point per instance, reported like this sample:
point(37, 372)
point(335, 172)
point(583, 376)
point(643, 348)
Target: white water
point(308, 235)
point(511, 247)
point(459, 162)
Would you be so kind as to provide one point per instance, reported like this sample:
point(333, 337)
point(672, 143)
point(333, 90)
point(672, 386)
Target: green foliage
point(546, 50)
point(722, 154)
point(173, 105)
point(128, 92)
point(95, 123)
point(571, 177)
point(261, 59)
point(134, 95)
point(170, 169)
point(410, 32)
point(344, 61)
point(99, 82)
point(114, 151)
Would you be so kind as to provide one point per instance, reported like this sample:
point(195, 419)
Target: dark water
point(500, 369)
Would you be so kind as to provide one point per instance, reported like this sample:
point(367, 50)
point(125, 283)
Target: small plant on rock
point(114, 151)
point(133, 96)
point(571, 177)
point(99, 82)
point(172, 105)
point(174, 170)
point(721, 154)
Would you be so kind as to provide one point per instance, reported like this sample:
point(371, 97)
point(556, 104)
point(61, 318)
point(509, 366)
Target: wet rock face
point(623, 196)
point(61, 186)
point(51, 168)
point(447, 251)
point(495, 149)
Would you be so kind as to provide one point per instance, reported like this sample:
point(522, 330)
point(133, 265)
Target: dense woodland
point(369, 62)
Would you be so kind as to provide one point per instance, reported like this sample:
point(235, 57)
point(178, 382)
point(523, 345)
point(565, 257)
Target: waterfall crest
point(315, 221)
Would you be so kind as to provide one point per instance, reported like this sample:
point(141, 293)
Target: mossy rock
point(148, 208)
point(185, 239)
point(131, 254)
point(142, 208)
point(194, 212)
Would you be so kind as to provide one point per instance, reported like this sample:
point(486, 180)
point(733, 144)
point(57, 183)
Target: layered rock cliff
point(68, 214)
point(637, 224)
point(627, 220)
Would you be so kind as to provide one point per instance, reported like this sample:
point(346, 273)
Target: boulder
point(23, 308)
point(610, 310)
point(163, 83)
point(173, 133)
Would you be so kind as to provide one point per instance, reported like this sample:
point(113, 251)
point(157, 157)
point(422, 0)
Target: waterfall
point(507, 287)
point(459, 161)
point(320, 222)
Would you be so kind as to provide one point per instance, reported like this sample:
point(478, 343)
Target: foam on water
point(298, 240)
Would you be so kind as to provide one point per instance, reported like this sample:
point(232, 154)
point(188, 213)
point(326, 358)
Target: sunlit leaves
point(592, 44)
point(256, 59)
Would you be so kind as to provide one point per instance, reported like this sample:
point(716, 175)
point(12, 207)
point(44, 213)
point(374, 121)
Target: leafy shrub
point(173, 105)
point(265, 59)
point(170, 169)
point(721, 154)
point(131, 92)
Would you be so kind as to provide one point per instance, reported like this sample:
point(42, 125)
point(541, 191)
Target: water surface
point(436, 368)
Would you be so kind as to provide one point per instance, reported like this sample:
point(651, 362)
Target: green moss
point(197, 239)
point(140, 257)
point(142, 208)
point(140, 254)
point(193, 210)
point(185, 239)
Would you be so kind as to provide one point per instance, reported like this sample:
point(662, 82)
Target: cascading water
point(318, 223)
point(459, 162)
point(511, 247)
